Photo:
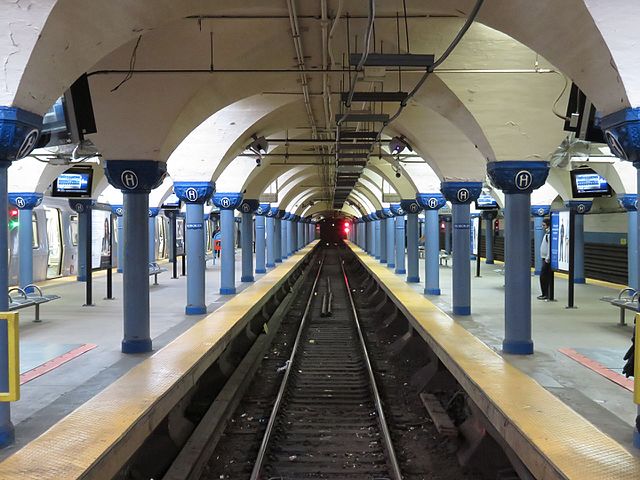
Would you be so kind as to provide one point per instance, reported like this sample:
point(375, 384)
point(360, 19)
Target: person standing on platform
point(545, 254)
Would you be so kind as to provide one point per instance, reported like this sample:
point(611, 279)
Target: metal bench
point(34, 298)
point(627, 299)
point(155, 269)
point(444, 258)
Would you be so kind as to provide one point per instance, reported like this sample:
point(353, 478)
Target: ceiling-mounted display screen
point(486, 202)
point(586, 183)
point(75, 182)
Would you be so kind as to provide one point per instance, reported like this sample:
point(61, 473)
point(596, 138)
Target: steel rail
point(393, 461)
point(257, 467)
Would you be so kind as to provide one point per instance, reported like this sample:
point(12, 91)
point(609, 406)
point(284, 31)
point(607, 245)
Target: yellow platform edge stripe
point(13, 351)
point(551, 439)
point(98, 437)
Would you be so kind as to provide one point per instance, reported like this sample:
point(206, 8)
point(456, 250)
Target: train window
point(34, 225)
point(54, 239)
point(74, 229)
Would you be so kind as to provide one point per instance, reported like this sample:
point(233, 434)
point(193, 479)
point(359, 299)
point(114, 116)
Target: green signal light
point(13, 224)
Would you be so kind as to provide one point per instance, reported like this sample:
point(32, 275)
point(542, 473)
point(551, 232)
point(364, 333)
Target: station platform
point(74, 353)
point(571, 345)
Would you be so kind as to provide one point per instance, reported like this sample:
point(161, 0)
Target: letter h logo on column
point(129, 179)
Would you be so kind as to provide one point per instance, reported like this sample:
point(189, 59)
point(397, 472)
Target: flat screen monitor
point(486, 202)
point(586, 183)
point(75, 182)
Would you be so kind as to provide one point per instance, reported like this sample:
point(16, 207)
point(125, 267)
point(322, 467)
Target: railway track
point(328, 421)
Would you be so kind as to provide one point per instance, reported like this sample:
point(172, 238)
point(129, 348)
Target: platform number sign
point(463, 195)
point(225, 202)
point(433, 202)
point(191, 194)
point(20, 203)
point(79, 207)
point(413, 207)
point(246, 208)
point(28, 144)
point(541, 212)
point(119, 211)
point(523, 180)
point(129, 180)
point(581, 208)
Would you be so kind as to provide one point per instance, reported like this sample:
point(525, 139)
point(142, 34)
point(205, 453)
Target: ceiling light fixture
point(398, 145)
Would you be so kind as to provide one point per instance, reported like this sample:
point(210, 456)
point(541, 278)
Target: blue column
point(447, 234)
point(136, 178)
point(400, 239)
point(153, 213)
point(25, 202)
point(581, 207)
point(290, 237)
point(431, 202)
point(538, 212)
point(383, 214)
point(284, 230)
point(461, 194)
point(270, 230)
point(6, 427)
point(195, 194)
point(622, 131)
point(412, 208)
point(300, 234)
point(517, 179)
point(261, 240)
point(629, 203)
point(247, 207)
point(391, 241)
point(227, 202)
point(277, 236)
point(118, 211)
point(376, 239)
point(19, 132)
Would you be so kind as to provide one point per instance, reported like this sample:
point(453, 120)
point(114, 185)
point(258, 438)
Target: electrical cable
point(132, 65)
point(555, 104)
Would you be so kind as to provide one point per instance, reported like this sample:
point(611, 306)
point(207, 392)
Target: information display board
point(560, 240)
point(475, 227)
point(100, 232)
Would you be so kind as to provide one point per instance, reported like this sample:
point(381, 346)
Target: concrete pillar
point(412, 208)
point(376, 239)
point(391, 241)
point(18, 134)
point(247, 209)
point(538, 212)
point(118, 211)
point(83, 209)
point(270, 231)
point(227, 202)
point(488, 218)
point(447, 233)
point(261, 238)
point(400, 239)
point(461, 194)
point(291, 240)
point(431, 203)
point(517, 179)
point(580, 207)
point(284, 227)
point(25, 203)
point(383, 215)
point(277, 236)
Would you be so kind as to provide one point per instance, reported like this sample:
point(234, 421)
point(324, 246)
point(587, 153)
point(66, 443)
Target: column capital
point(579, 206)
point(431, 201)
point(622, 131)
point(135, 176)
point(461, 192)
point(489, 214)
point(264, 209)
point(117, 210)
point(518, 176)
point(153, 211)
point(386, 213)
point(280, 214)
point(194, 192)
point(81, 205)
point(273, 212)
point(540, 210)
point(25, 201)
point(19, 132)
point(249, 206)
point(227, 200)
point(286, 215)
point(629, 202)
point(396, 209)
point(410, 206)
point(373, 216)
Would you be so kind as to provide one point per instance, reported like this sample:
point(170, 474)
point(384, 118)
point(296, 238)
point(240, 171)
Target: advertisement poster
point(560, 241)
point(475, 223)
point(100, 248)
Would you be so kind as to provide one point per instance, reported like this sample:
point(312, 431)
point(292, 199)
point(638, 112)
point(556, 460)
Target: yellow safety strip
point(13, 342)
